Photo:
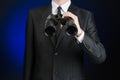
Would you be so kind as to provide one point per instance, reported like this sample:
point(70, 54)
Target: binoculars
point(52, 21)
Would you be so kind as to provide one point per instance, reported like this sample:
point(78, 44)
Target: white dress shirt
point(65, 7)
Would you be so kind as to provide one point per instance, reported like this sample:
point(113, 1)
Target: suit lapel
point(73, 10)
point(46, 13)
point(60, 36)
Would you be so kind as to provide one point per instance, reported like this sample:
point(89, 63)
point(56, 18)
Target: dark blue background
point(13, 14)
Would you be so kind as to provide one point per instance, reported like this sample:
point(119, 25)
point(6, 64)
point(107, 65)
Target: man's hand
point(75, 19)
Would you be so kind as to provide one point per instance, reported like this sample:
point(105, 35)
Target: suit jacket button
point(56, 54)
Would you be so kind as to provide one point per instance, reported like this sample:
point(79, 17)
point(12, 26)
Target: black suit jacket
point(45, 60)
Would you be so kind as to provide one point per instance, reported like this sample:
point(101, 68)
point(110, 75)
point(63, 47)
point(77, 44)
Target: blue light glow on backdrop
point(15, 30)
point(15, 34)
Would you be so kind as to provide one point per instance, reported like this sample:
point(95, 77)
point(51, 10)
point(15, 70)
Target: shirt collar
point(64, 6)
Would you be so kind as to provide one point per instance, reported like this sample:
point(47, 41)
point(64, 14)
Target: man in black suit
point(63, 60)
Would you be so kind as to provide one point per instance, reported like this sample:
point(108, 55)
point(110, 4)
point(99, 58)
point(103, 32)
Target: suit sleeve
point(91, 43)
point(28, 55)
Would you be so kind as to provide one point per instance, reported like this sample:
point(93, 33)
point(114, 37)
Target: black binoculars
point(52, 21)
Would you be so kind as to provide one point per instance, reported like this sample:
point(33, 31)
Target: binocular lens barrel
point(50, 31)
point(71, 27)
point(71, 30)
point(50, 26)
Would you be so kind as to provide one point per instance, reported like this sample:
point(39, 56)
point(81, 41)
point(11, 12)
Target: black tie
point(58, 16)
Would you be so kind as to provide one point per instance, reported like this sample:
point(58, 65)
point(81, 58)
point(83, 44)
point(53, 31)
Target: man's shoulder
point(81, 10)
point(40, 8)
